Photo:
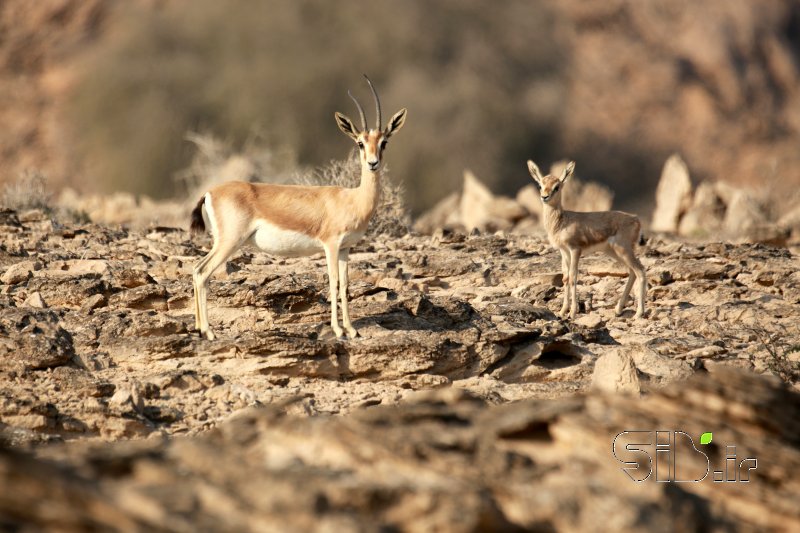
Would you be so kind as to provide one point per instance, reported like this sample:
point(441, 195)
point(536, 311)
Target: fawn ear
point(567, 172)
point(535, 172)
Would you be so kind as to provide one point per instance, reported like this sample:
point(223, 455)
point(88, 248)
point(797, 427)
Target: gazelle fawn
point(574, 234)
point(293, 220)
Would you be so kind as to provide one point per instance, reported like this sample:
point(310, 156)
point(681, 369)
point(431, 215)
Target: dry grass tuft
point(28, 191)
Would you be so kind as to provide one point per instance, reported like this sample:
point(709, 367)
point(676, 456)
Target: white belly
point(599, 247)
point(286, 243)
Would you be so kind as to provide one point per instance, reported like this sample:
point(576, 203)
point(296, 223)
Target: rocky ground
point(96, 344)
point(441, 461)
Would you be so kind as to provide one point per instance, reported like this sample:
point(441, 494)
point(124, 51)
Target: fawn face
point(550, 186)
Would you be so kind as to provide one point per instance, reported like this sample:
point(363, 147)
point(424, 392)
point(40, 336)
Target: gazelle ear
point(567, 172)
point(395, 123)
point(535, 173)
point(346, 125)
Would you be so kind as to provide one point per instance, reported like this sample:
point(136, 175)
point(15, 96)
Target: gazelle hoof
point(208, 334)
point(339, 332)
point(352, 333)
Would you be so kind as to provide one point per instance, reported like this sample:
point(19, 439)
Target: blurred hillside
point(100, 94)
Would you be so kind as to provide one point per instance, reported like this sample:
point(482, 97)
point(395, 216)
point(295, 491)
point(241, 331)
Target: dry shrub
point(391, 218)
point(216, 161)
point(29, 191)
point(780, 347)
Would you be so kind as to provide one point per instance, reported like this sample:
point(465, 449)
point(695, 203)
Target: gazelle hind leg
point(565, 259)
point(626, 291)
point(635, 269)
point(331, 258)
point(611, 251)
point(641, 278)
point(196, 286)
point(343, 281)
point(196, 276)
point(196, 293)
point(203, 271)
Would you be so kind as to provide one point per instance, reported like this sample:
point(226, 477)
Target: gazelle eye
point(383, 144)
point(360, 145)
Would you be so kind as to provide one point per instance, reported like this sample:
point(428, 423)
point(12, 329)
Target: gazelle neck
point(369, 188)
point(552, 213)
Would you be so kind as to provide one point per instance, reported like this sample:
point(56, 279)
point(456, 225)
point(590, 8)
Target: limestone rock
point(382, 467)
point(791, 219)
point(616, 372)
point(520, 360)
point(94, 301)
point(743, 214)
point(528, 226)
point(33, 339)
point(529, 198)
point(705, 216)
point(19, 272)
point(477, 207)
point(473, 310)
point(660, 368)
point(673, 195)
point(127, 398)
point(143, 297)
point(35, 300)
point(578, 195)
point(583, 196)
point(444, 214)
point(130, 279)
point(481, 209)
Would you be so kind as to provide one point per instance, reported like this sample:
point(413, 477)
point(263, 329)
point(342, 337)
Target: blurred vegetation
point(483, 86)
point(28, 191)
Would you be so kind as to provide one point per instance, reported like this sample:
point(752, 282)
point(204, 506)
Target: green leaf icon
point(705, 438)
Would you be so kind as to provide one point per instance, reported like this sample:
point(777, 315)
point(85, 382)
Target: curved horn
point(360, 111)
point(378, 121)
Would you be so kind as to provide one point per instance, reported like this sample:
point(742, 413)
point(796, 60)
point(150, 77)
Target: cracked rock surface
point(467, 404)
point(114, 312)
point(442, 460)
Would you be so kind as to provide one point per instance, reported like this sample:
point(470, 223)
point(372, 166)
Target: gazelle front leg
point(574, 256)
point(565, 275)
point(331, 258)
point(348, 326)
